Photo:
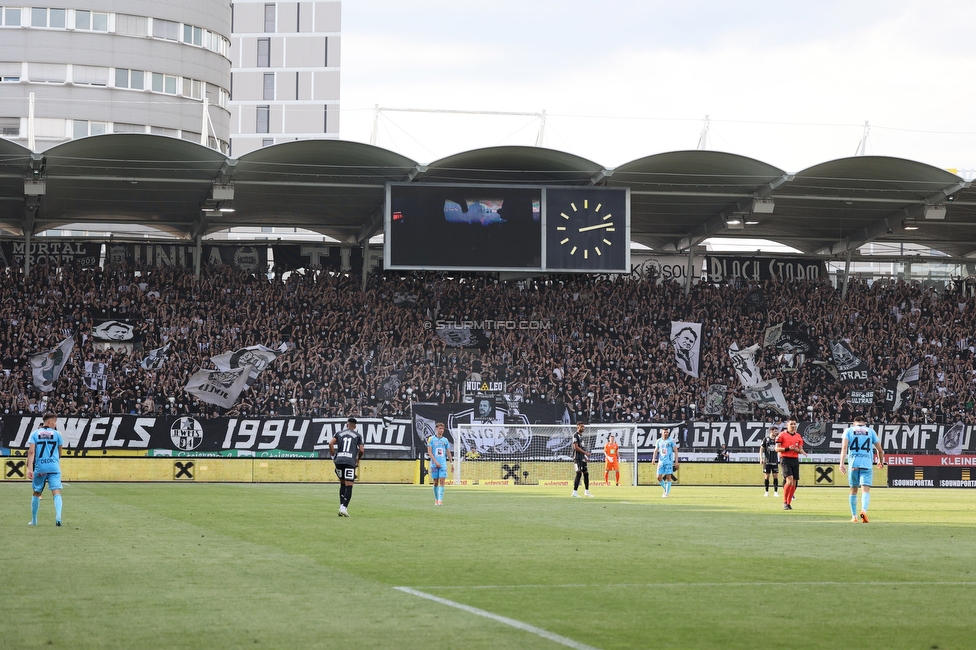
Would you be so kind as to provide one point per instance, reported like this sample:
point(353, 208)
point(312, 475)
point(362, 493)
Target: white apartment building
point(284, 72)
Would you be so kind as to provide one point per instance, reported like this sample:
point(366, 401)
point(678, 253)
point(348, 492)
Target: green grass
point(271, 566)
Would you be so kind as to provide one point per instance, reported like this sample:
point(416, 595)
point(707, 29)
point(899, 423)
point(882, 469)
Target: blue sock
point(435, 492)
point(865, 500)
point(35, 504)
point(667, 487)
point(853, 505)
point(440, 492)
point(57, 507)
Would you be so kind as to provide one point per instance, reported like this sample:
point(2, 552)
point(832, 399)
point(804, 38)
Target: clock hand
point(597, 227)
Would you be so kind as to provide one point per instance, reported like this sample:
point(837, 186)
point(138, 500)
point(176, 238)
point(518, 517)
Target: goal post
point(537, 454)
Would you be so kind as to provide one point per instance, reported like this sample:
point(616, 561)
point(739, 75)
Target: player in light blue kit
point(666, 455)
point(858, 447)
point(44, 465)
point(439, 450)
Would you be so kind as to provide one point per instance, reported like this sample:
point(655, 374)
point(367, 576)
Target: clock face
point(586, 230)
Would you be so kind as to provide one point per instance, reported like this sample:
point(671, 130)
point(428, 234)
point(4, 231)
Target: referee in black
point(580, 456)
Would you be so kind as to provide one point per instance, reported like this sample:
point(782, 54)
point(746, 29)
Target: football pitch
point(272, 566)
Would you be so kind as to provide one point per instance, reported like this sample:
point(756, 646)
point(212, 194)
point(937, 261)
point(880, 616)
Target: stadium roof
point(337, 188)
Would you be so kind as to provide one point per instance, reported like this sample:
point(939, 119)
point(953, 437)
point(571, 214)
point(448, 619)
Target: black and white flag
point(715, 399)
point(258, 357)
point(686, 339)
point(768, 395)
point(96, 375)
point(894, 395)
point(741, 406)
point(951, 439)
point(114, 330)
point(46, 367)
point(772, 335)
point(405, 298)
point(216, 387)
point(911, 375)
point(457, 335)
point(744, 362)
point(155, 359)
point(850, 368)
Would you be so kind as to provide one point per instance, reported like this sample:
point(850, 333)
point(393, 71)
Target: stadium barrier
point(217, 470)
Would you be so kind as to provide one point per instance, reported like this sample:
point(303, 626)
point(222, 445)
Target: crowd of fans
point(599, 345)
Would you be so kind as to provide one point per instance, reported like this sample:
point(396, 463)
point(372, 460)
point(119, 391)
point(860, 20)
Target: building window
point(166, 29)
point(269, 19)
point(192, 88)
point(120, 127)
point(326, 62)
point(192, 35)
point(10, 127)
point(163, 83)
point(38, 17)
point(264, 52)
point(58, 18)
point(325, 119)
point(80, 128)
point(91, 20)
point(9, 79)
point(269, 85)
point(263, 118)
point(11, 17)
point(137, 80)
point(267, 142)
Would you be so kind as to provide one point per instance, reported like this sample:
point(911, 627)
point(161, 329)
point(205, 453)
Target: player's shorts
point(346, 472)
point(613, 466)
point(53, 481)
point(581, 467)
point(665, 468)
point(791, 467)
point(438, 472)
point(770, 468)
point(860, 476)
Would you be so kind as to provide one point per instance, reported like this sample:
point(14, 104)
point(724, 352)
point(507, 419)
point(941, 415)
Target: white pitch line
point(538, 631)
point(874, 583)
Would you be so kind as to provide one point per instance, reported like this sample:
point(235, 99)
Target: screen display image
point(444, 227)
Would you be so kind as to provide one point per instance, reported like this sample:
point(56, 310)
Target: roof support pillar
point(197, 256)
point(691, 266)
point(365, 261)
point(27, 253)
point(847, 274)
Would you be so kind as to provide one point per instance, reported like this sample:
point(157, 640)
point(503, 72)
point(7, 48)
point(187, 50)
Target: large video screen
point(507, 228)
point(464, 227)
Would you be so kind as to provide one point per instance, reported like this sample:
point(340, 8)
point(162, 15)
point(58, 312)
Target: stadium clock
point(587, 230)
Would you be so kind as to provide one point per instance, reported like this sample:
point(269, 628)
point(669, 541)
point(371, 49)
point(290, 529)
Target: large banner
point(289, 257)
point(220, 437)
point(253, 259)
point(54, 253)
point(784, 269)
point(394, 439)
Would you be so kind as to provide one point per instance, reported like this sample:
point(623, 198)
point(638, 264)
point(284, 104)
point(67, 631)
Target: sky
point(788, 83)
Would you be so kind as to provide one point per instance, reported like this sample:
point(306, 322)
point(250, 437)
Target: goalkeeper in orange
point(612, 460)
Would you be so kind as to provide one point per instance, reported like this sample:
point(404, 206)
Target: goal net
point(538, 454)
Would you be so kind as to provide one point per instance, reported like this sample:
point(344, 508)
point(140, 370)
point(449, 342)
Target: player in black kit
point(580, 457)
point(769, 459)
point(346, 448)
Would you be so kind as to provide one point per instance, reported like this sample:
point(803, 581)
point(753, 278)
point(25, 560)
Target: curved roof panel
point(338, 188)
point(511, 164)
point(14, 168)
